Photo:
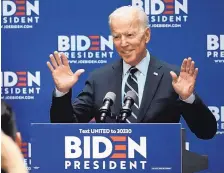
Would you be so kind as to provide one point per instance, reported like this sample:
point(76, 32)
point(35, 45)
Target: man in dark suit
point(162, 95)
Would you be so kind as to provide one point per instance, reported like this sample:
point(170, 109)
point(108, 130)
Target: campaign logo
point(20, 85)
point(101, 152)
point(81, 49)
point(218, 112)
point(215, 48)
point(19, 14)
point(164, 13)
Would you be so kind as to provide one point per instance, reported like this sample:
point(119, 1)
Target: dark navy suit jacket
point(160, 103)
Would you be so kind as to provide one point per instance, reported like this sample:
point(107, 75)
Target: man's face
point(130, 39)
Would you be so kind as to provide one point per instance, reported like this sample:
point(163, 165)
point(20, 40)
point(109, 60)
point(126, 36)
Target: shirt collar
point(142, 66)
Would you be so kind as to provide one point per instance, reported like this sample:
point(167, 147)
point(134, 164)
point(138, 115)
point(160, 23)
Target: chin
point(130, 61)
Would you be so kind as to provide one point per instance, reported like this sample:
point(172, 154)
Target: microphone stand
point(125, 112)
point(104, 113)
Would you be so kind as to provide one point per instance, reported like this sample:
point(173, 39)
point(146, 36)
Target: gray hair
point(125, 11)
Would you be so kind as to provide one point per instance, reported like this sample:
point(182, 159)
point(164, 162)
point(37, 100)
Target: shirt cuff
point(190, 99)
point(58, 93)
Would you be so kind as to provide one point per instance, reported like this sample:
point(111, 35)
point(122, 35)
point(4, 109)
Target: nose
point(123, 41)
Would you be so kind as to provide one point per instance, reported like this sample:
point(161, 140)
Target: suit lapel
point(116, 83)
point(153, 78)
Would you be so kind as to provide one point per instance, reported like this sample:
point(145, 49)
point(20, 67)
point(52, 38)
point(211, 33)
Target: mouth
point(126, 52)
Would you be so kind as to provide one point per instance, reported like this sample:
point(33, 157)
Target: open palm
point(184, 83)
point(64, 78)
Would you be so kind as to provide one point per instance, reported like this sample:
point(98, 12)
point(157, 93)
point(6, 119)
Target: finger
point(64, 59)
point(57, 57)
point(183, 66)
point(188, 65)
point(174, 76)
point(191, 71)
point(78, 73)
point(18, 139)
point(50, 66)
point(195, 73)
point(53, 61)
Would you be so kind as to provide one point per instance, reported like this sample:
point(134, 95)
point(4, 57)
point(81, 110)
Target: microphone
point(129, 100)
point(107, 103)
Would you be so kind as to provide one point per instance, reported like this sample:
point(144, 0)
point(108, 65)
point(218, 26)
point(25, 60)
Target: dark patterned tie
point(132, 84)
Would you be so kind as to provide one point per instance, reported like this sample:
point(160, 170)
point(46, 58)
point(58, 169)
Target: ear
point(147, 35)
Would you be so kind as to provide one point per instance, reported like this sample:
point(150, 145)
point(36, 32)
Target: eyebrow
point(128, 32)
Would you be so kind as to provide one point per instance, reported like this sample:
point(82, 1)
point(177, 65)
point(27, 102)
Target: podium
point(96, 148)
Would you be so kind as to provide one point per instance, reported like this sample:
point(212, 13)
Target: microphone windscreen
point(132, 95)
point(111, 96)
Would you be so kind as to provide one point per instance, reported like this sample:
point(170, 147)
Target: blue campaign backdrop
point(33, 29)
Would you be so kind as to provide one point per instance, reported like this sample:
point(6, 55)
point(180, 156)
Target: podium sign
point(96, 148)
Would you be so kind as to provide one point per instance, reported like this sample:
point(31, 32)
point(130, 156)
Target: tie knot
point(132, 70)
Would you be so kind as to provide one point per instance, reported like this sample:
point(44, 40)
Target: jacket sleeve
point(81, 110)
point(199, 118)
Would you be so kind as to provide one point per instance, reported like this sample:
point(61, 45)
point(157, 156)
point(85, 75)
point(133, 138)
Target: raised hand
point(184, 83)
point(64, 78)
